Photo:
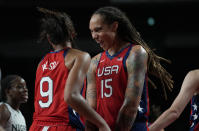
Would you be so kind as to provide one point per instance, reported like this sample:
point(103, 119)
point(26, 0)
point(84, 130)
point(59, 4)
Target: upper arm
point(91, 94)
point(4, 115)
point(79, 67)
point(136, 68)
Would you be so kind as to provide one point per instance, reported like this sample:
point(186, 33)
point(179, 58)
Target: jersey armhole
point(99, 59)
point(126, 56)
point(65, 52)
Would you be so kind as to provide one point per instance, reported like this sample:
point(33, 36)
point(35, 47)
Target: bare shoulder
point(138, 54)
point(75, 54)
point(3, 107)
point(191, 81)
point(95, 59)
point(138, 49)
point(79, 54)
point(93, 66)
point(5, 113)
point(193, 75)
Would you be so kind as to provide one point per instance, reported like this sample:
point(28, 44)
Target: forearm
point(78, 103)
point(90, 126)
point(164, 120)
point(126, 118)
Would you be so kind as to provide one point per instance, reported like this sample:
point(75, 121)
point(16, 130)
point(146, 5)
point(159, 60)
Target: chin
point(24, 101)
point(104, 48)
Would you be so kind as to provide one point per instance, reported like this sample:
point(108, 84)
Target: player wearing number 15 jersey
point(59, 79)
point(117, 78)
point(111, 81)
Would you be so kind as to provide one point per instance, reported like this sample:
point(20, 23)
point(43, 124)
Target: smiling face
point(101, 32)
point(18, 91)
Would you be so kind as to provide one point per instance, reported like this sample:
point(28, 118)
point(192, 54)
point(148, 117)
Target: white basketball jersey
point(16, 121)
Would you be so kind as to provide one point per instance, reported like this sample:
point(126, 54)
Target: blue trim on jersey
point(83, 88)
point(125, 57)
point(57, 51)
point(111, 57)
point(99, 59)
point(139, 126)
point(65, 52)
point(79, 130)
point(74, 120)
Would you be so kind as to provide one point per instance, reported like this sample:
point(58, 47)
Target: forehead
point(22, 80)
point(95, 20)
point(19, 80)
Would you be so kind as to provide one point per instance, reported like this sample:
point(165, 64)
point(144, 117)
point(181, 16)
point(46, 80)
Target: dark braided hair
point(6, 84)
point(58, 25)
point(127, 32)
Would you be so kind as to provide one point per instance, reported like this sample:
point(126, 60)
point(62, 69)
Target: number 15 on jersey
point(105, 84)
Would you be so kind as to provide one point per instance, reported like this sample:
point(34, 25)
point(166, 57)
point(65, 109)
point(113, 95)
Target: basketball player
point(13, 93)
point(59, 79)
point(1, 128)
point(189, 91)
point(117, 78)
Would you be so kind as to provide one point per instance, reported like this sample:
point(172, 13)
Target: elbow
point(69, 98)
point(175, 114)
point(134, 113)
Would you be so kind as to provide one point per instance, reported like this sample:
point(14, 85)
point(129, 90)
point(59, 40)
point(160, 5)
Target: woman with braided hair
point(117, 78)
point(59, 78)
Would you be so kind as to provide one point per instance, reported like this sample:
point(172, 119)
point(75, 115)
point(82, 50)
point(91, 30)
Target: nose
point(94, 35)
point(25, 89)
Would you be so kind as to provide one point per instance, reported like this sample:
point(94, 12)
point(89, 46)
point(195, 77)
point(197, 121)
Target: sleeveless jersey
point(194, 120)
point(111, 82)
point(16, 121)
point(51, 77)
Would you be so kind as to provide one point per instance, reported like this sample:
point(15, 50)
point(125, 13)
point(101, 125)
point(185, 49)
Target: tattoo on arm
point(136, 68)
point(91, 90)
point(91, 93)
point(125, 123)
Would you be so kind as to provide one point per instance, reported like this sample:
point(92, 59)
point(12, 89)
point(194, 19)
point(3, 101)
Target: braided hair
point(127, 32)
point(58, 25)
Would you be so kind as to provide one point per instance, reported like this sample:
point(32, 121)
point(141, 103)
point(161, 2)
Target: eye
point(21, 86)
point(98, 29)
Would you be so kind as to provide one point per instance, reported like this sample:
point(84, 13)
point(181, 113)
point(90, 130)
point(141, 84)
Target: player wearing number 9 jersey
point(59, 79)
point(117, 77)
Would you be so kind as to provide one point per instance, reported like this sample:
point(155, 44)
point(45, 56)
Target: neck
point(60, 46)
point(14, 104)
point(117, 47)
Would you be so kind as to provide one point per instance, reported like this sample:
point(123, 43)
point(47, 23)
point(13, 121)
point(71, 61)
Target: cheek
point(109, 38)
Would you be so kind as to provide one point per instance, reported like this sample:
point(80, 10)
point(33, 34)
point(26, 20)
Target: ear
point(48, 38)
point(115, 26)
point(7, 92)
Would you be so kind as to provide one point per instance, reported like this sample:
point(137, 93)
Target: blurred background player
point(59, 79)
point(1, 128)
point(189, 91)
point(13, 93)
point(117, 78)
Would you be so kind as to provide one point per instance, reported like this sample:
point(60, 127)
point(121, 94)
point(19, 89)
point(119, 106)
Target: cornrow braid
point(156, 69)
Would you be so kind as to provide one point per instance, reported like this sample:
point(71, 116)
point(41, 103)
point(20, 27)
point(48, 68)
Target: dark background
point(174, 35)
